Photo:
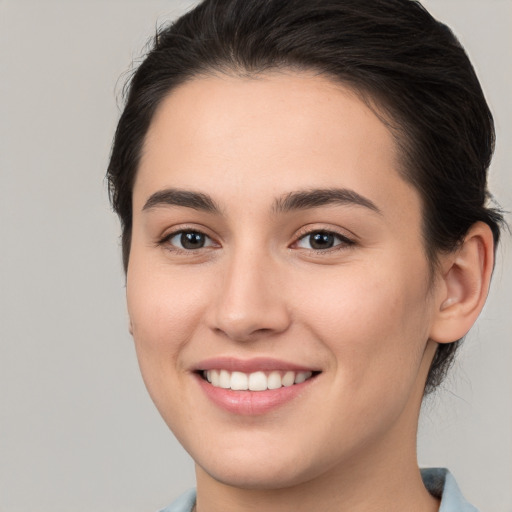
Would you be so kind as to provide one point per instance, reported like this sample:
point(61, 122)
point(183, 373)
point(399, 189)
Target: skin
point(365, 312)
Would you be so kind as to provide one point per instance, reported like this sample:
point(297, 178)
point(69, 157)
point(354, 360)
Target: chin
point(259, 467)
point(257, 476)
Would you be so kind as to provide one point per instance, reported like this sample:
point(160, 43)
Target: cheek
point(164, 311)
point(374, 320)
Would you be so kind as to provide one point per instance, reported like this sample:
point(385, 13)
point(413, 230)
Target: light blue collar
point(441, 484)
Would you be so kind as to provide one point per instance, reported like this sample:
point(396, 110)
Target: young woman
point(306, 236)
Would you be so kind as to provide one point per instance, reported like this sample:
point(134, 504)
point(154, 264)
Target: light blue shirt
point(439, 482)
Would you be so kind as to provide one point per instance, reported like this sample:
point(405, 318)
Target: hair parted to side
point(402, 61)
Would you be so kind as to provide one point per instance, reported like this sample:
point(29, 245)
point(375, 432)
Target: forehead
point(266, 135)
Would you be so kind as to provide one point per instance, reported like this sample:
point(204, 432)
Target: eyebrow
point(184, 198)
point(304, 199)
point(298, 200)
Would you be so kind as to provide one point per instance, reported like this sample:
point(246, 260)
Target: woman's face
point(275, 241)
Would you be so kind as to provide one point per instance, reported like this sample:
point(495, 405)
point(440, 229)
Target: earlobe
point(465, 279)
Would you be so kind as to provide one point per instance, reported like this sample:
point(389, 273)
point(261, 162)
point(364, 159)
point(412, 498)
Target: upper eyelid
point(343, 240)
point(327, 231)
point(176, 230)
point(344, 234)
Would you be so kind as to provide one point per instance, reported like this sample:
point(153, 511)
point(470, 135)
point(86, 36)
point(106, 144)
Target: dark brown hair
point(392, 52)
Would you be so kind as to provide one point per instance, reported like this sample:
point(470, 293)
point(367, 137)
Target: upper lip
point(250, 365)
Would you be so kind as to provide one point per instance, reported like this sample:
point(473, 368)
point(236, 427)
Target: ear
point(462, 288)
point(130, 327)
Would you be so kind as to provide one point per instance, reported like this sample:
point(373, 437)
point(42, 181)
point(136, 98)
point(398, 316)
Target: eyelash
point(343, 241)
point(166, 241)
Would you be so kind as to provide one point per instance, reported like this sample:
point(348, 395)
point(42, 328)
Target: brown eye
point(322, 240)
point(192, 240)
point(189, 240)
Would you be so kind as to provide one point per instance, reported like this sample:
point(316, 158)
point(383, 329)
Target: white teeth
point(256, 381)
point(302, 376)
point(274, 380)
point(224, 379)
point(239, 381)
point(214, 375)
point(288, 379)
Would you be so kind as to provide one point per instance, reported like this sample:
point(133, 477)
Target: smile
point(253, 386)
point(255, 381)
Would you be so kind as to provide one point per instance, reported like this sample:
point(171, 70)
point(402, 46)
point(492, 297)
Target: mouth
point(259, 380)
point(252, 387)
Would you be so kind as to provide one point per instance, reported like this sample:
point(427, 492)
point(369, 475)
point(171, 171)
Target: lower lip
point(251, 403)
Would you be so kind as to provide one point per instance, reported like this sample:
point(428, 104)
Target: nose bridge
point(249, 302)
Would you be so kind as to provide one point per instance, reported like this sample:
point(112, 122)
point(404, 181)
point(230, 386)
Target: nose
point(250, 303)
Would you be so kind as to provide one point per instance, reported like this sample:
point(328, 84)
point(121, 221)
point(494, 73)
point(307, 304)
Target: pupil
point(321, 241)
point(192, 240)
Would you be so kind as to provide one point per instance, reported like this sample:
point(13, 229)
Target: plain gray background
point(77, 429)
